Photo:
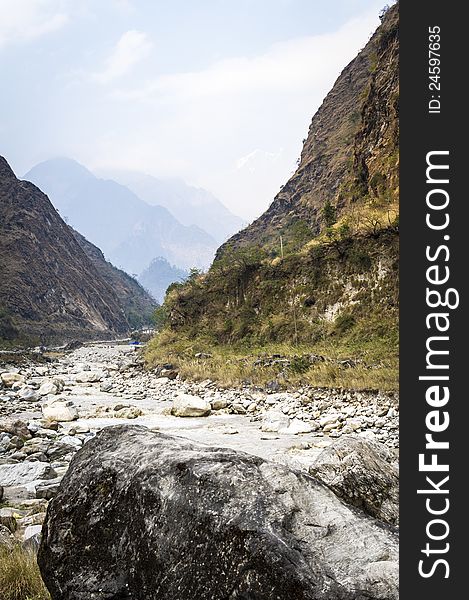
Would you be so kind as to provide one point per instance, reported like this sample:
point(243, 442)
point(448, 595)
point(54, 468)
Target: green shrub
point(344, 322)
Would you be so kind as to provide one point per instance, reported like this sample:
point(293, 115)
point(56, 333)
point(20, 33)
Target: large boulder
point(186, 405)
point(143, 515)
point(361, 472)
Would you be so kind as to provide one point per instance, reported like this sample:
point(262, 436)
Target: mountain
point(349, 161)
point(321, 264)
point(50, 290)
point(137, 304)
point(129, 231)
point(159, 276)
point(190, 205)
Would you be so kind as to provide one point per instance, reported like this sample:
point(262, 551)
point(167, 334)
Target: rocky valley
point(54, 285)
point(51, 410)
point(243, 442)
point(320, 266)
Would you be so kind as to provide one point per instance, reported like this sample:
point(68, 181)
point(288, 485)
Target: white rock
point(89, 376)
point(70, 440)
point(59, 409)
point(48, 388)
point(186, 405)
point(297, 426)
point(31, 531)
point(9, 379)
point(42, 371)
point(274, 420)
point(327, 420)
point(106, 386)
point(25, 472)
point(354, 424)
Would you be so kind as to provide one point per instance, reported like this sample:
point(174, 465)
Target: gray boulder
point(360, 472)
point(25, 472)
point(147, 516)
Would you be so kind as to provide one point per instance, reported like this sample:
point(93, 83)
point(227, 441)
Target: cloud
point(132, 47)
point(287, 67)
point(26, 20)
point(214, 118)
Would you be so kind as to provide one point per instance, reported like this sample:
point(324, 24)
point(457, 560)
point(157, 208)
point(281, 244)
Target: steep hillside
point(159, 276)
point(137, 304)
point(130, 232)
point(319, 269)
point(190, 205)
point(348, 169)
point(49, 289)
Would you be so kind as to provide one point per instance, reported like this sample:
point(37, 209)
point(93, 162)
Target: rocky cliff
point(136, 302)
point(53, 287)
point(349, 160)
point(322, 262)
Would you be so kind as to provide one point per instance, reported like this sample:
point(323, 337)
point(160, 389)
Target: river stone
point(15, 427)
point(9, 379)
point(59, 409)
point(88, 376)
point(28, 394)
point(106, 386)
point(274, 420)
point(142, 515)
point(72, 441)
point(186, 405)
point(128, 412)
point(25, 472)
point(359, 471)
point(219, 403)
point(48, 388)
point(297, 426)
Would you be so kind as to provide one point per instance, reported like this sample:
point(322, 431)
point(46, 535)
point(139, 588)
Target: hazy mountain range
point(159, 276)
point(190, 205)
point(133, 229)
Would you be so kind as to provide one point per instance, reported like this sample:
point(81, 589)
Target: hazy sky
point(218, 92)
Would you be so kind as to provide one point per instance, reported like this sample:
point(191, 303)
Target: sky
point(217, 92)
